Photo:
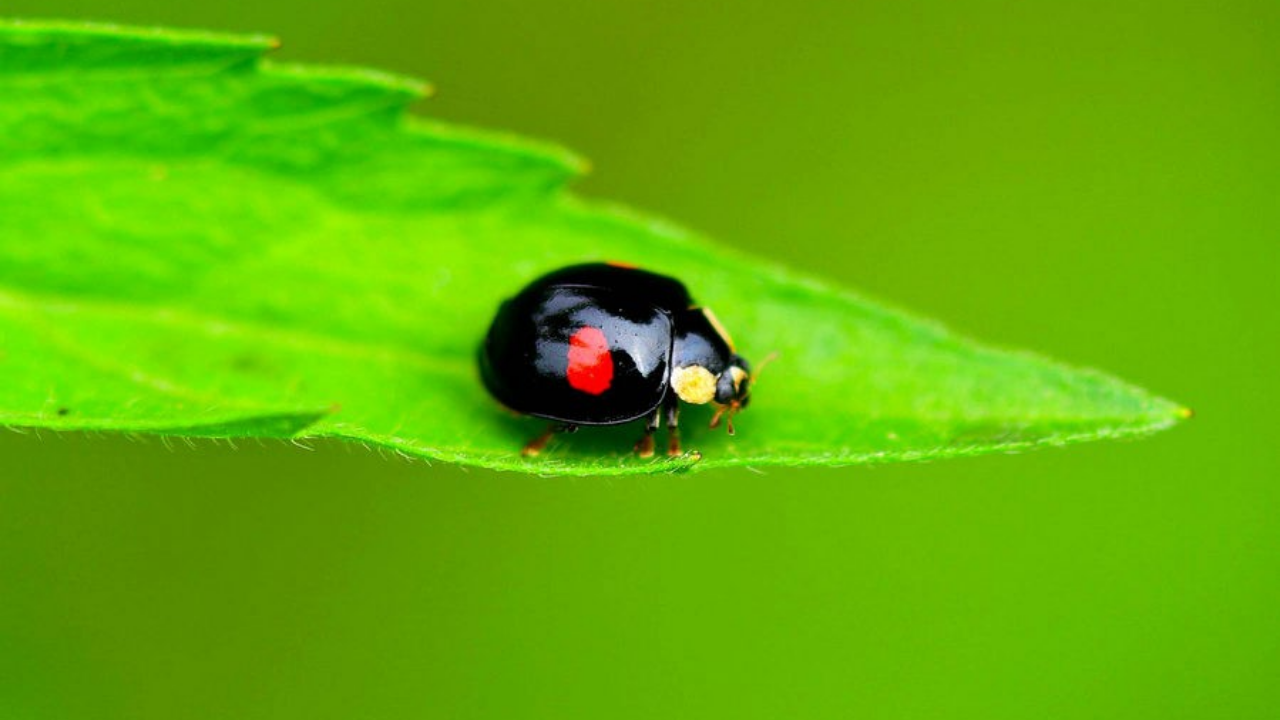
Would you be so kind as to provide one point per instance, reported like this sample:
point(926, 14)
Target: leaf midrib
point(184, 318)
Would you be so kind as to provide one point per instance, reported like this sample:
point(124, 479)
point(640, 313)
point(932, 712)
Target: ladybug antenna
point(760, 365)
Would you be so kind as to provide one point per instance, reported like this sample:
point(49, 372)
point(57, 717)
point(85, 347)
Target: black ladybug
point(606, 344)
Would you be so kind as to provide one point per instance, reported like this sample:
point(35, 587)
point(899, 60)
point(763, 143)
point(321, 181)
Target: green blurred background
point(1098, 181)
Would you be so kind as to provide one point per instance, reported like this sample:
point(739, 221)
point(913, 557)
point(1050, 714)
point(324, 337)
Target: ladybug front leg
point(644, 446)
point(673, 428)
point(535, 446)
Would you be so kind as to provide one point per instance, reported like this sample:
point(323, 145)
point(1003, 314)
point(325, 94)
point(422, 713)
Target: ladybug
point(608, 344)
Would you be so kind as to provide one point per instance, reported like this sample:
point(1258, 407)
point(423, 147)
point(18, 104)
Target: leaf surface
point(197, 241)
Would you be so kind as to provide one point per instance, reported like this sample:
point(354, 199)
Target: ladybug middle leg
point(644, 446)
point(535, 446)
point(673, 428)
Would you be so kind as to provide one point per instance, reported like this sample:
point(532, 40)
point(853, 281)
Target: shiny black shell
point(524, 358)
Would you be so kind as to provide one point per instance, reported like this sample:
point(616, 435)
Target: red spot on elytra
point(590, 363)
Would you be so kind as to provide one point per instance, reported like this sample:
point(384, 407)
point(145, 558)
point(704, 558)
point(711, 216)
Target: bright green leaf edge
point(963, 399)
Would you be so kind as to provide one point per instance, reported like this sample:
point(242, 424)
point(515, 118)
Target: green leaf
point(195, 241)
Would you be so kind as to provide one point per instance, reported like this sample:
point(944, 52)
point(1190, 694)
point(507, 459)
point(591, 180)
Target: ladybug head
point(734, 384)
point(733, 389)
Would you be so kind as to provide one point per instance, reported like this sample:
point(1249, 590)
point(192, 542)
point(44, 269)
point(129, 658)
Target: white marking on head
point(694, 384)
point(738, 375)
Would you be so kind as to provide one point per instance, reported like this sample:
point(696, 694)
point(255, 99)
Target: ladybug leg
point(535, 446)
point(644, 446)
point(673, 429)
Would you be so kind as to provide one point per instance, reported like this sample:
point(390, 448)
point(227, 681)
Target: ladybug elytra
point(607, 344)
